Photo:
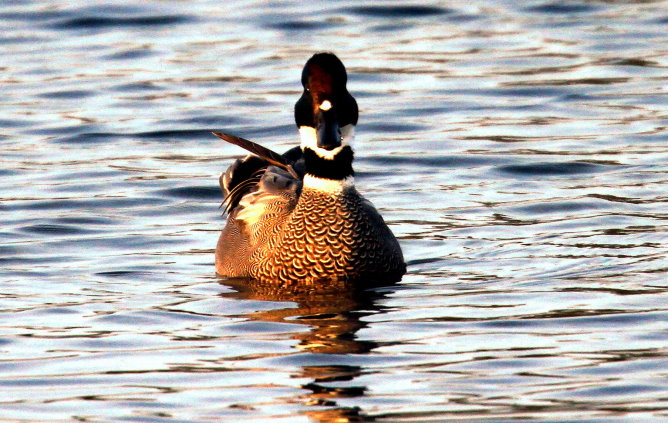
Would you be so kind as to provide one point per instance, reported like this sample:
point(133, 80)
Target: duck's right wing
point(275, 196)
point(244, 176)
point(258, 207)
point(263, 152)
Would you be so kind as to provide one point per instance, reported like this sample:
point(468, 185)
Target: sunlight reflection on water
point(518, 150)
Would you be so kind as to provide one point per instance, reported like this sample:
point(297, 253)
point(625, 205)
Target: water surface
point(517, 149)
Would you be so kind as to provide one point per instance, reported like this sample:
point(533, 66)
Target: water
point(517, 149)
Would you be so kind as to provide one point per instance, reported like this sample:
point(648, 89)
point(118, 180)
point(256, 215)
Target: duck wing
point(260, 192)
point(244, 175)
point(263, 152)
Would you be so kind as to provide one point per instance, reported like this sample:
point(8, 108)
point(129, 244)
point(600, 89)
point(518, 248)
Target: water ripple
point(516, 149)
point(403, 11)
point(553, 169)
point(563, 8)
point(202, 192)
point(94, 22)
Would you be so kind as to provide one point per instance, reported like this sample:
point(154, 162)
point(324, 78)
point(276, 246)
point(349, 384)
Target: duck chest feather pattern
point(335, 237)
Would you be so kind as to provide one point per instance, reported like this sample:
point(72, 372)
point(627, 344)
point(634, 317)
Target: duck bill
point(328, 131)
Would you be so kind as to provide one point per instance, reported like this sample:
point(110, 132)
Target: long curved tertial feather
point(262, 152)
point(230, 200)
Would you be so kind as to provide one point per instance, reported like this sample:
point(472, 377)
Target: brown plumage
point(297, 218)
point(331, 236)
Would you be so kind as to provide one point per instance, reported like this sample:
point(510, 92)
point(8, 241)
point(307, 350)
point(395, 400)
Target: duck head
point(326, 115)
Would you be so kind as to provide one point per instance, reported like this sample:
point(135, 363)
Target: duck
point(297, 218)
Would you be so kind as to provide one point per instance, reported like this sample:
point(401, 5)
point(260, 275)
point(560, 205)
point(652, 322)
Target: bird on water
point(296, 218)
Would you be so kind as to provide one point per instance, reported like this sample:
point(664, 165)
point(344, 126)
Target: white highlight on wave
point(309, 138)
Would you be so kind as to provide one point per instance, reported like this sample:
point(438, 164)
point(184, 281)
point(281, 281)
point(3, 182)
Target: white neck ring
point(330, 186)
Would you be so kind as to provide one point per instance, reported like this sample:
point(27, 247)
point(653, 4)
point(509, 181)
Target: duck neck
point(328, 186)
point(338, 167)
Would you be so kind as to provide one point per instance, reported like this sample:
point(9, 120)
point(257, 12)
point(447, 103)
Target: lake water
point(519, 151)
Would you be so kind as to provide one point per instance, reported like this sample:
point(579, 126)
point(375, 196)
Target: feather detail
point(234, 193)
point(260, 151)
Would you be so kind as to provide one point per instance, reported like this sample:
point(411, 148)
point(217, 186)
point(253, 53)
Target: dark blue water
point(517, 149)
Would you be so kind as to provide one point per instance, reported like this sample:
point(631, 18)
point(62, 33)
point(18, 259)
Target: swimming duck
point(296, 218)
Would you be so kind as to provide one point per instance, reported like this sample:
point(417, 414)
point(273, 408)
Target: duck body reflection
point(333, 316)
